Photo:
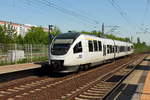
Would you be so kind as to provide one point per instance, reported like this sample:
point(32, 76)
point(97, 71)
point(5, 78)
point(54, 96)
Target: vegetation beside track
point(37, 35)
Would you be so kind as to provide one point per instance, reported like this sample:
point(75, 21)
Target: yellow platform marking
point(146, 90)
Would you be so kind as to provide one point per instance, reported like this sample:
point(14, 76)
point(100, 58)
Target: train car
point(71, 52)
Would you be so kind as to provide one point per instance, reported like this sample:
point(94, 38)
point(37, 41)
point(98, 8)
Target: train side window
point(77, 48)
point(108, 49)
point(128, 48)
point(116, 49)
point(100, 45)
point(90, 44)
point(122, 48)
point(119, 49)
point(113, 49)
point(95, 46)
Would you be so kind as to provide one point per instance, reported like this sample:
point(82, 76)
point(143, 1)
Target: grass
point(140, 50)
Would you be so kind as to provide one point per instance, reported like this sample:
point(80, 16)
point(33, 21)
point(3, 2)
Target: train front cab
point(72, 58)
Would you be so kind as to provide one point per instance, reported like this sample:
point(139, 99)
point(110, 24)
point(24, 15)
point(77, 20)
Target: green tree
point(9, 33)
point(36, 35)
point(94, 32)
point(19, 39)
point(2, 35)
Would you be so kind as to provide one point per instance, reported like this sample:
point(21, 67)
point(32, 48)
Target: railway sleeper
point(89, 97)
point(93, 94)
point(78, 98)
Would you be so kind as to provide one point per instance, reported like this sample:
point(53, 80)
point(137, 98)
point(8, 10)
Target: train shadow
point(17, 75)
point(46, 70)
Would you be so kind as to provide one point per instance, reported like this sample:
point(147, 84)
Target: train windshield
point(62, 43)
point(61, 46)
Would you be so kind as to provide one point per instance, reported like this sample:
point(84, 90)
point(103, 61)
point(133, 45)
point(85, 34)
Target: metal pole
point(102, 29)
point(50, 37)
point(31, 51)
point(16, 53)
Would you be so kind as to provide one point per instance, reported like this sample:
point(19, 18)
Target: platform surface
point(18, 67)
point(137, 85)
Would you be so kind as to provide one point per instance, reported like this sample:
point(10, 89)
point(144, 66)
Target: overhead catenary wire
point(66, 11)
point(70, 11)
point(80, 11)
point(146, 10)
point(35, 4)
point(123, 14)
point(119, 10)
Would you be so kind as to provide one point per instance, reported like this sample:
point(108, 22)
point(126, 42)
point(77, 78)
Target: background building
point(20, 29)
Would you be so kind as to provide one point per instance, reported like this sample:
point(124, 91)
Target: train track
point(93, 84)
point(101, 87)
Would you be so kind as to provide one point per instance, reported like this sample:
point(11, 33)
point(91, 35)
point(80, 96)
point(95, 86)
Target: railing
point(22, 53)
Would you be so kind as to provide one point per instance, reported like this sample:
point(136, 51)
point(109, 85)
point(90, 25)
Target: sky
point(131, 16)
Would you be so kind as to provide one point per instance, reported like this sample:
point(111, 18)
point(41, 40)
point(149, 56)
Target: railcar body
point(71, 51)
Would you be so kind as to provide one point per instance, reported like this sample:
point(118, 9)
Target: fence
point(18, 53)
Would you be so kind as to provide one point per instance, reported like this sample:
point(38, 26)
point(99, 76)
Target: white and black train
point(70, 52)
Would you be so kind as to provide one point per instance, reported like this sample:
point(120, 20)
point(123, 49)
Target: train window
point(77, 48)
point(90, 44)
point(122, 48)
point(108, 49)
point(100, 45)
point(111, 49)
point(95, 46)
point(115, 49)
point(118, 49)
point(129, 48)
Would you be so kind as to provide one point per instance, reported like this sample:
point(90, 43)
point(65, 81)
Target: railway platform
point(18, 67)
point(136, 86)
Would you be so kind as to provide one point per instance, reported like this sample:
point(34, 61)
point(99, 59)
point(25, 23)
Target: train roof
point(69, 35)
point(74, 35)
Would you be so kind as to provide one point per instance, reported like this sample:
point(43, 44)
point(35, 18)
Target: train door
point(114, 49)
point(78, 54)
point(104, 50)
